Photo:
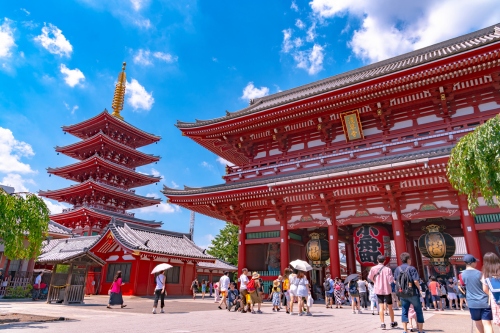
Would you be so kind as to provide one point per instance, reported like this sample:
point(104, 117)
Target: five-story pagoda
point(107, 157)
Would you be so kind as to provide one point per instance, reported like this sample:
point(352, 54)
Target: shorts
point(481, 314)
point(255, 297)
point(452, 296)
point(435, 298)
point(460, 296)
point(293, 292)
point(223, 293)
point(387, 299)
point(244, 293)
point(328, 294)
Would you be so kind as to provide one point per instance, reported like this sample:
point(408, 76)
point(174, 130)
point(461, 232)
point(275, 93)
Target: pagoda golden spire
point(119, 95)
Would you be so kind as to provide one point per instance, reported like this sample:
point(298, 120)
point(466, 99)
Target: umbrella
point(301, 265)
point(352, 277)
point(160, 267)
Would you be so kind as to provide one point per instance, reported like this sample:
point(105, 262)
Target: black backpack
point(326, 284)
point(404, 284)
point(353, 288)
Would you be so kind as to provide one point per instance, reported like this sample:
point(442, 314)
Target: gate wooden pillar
point(469, 230)
point(241, 247)
point(333, 247)
point(68, 285)
point(350, 257)
point(284, 247)
point(398, 232)
point(52, 278)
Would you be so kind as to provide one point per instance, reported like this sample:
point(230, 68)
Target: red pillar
point(420, 266)
point(241, 248)
point(410, 245)
point(333, 246)
point(469, 230)
point(398, 233)
point(284, 248)
point(350, 258)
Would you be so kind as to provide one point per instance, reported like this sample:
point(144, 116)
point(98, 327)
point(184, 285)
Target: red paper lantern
point(370, 241)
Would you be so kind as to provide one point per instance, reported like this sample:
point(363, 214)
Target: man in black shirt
point(414, 284)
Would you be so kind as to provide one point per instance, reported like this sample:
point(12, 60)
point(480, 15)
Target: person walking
point(363, 293)
point(37, 286)
point(194, 287)
point(276, 296)
point(452, 296)
point(423, 299)
point(382, 278)
point(303, 293)
point(435, 290)
point(338, 292)
point(491, 279)
point(115, 292)
point(461, 295)
point(408, 285)
point(210, 288)
point(203, 288)
point(354, 295)
point(477, 299)
point(216, 292)
point(253, 287)
point(373, 298)
point(160, 292)
point(243, 288)
point(285, 299)
point(328, 286)
point(294, 283)
point(224, 287)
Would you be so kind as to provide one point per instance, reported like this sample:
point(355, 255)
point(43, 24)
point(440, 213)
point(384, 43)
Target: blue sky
point(185, 59)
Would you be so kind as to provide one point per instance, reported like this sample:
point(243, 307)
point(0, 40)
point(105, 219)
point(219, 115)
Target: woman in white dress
point(302, 292)
point(294, 283)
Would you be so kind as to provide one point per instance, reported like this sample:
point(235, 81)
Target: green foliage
point(474, 166)
point(24, 222)
point(61, 268)
point(225, 244)
point(18, 292)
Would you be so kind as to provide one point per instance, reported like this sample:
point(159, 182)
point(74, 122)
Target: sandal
point(123, 306)
point(108, 307)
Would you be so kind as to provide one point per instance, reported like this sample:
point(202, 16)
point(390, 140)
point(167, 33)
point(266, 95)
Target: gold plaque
point(351, 123)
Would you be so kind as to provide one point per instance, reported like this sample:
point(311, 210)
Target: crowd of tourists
point(381, 292)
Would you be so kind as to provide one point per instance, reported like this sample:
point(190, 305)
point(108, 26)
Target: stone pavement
point(186, 315)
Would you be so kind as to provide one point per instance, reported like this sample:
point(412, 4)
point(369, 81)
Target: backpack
point(494, 285)
point(326, 284)
point(443, 290)
point(353, 288)
point(251, 286)
point(404, 284)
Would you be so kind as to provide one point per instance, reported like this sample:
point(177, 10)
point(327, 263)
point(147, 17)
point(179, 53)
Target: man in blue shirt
point(477, 299)
point(415, 299)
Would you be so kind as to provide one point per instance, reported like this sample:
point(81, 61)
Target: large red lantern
point(436, 245)
point(370, 241)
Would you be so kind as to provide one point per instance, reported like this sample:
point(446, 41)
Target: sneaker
point(301, 314)
point(162, 311)
point(394, 324)
point(309, 314)
point(219, 307)
point(414, 330)
point(359, 312)
point(258, 311)
point(382, 326)
point(154, 311)
point(287, 312)
point(354, 312)
point(253, 312)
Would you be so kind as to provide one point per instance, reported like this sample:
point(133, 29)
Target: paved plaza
point(186, 315)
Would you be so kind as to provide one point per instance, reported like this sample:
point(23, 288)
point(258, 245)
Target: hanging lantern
point(317, 249)
point(371, 241)
point(442, 270)
point(436, 245)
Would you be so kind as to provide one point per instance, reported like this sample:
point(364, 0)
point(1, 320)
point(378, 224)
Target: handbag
point(310, 301)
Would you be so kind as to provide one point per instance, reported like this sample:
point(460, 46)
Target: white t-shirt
point(303, 287)
point(224, 283)
point(160, 281)
point(244, 281)
point(362, 286)
point(38, 280)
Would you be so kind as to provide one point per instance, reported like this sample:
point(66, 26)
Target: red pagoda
point(364, 148)
point(107, 158)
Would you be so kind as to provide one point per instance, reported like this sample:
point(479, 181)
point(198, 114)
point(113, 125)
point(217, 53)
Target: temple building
point(359, 159)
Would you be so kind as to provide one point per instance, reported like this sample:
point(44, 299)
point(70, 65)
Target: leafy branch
point(225, 245)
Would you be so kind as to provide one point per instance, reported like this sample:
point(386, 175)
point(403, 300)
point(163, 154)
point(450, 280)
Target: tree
point(225, 245)
point(24, 223)
point(474, 165)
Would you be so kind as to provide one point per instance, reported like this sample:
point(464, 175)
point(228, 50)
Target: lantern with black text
point(317, 249)
point(370, 241)
point(436, 245)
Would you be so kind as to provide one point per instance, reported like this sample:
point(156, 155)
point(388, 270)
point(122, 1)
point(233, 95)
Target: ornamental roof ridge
point(57, 228)
point(430, 153)
point(415, 58)
point(68, 128)
point(118, 215)
point(121, 223)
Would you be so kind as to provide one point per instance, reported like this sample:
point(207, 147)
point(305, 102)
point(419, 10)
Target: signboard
point(351, 124)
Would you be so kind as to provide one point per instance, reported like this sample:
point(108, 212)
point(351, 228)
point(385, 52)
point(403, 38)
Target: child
point(412, 316)
point(276, 296)
point(373, 298)
point(232, 297)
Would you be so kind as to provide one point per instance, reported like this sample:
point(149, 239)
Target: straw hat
point(255, 276)
point(276, 283)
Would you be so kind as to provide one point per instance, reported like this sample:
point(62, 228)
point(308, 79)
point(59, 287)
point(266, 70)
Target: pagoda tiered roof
point(70, 215)
point(116, 128)
point(108, 148)
point(97, 167)
point(92, 192)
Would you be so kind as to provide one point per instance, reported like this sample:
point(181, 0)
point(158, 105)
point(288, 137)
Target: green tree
point(24, 222)
point(225, 244)
point(474, 165)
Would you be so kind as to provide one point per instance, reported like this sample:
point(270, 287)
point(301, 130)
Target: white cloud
point(311, 33)
point(224, 162)
point(392, 29)
point(11, 151)
point(297, 42)
point(138, 97)
point(145, 57)
point(294, 6)
point(17, 182)
point(138, 4)
point(72, 109)
point(207, 241)
point(142, 23)
point(214, 59)
point(310, 60)
point(287, 40)
point(161, 208)
point(156, 173)
point(25, 11)
point(72, 77)
point(174, 184)
point(30, 24)
point(251, 92)
point(299, 24)
point(54, 206)
point(54, 41)
point(6, 38)
point(207, 165)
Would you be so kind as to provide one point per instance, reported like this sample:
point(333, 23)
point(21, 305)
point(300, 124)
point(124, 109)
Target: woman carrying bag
point(115, 292)
point(160, 292)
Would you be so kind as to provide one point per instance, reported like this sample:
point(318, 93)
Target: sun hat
point(276, 283)
point(255, 276)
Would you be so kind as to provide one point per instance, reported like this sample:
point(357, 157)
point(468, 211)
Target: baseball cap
point(469, 259)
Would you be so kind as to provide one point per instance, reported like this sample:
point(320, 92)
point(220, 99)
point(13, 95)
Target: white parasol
point(301, 265)
point(160, 267)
